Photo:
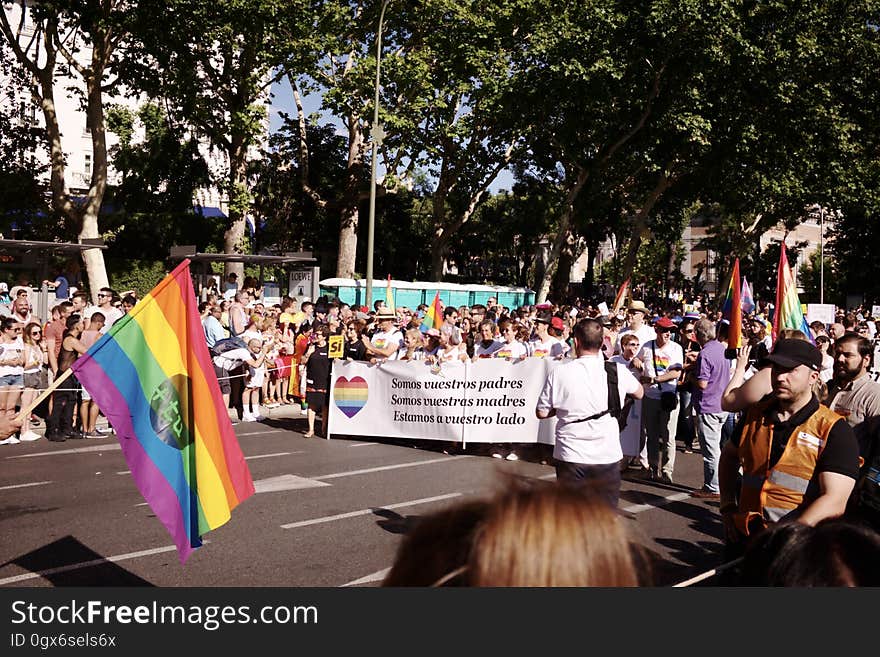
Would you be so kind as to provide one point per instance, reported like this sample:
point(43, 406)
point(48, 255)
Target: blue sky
point(283, 101)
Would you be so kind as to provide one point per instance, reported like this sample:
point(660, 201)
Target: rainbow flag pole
point(788, 313)
point(434, 316)
point(152, 375)
point(621, 297)
point(732, 309)
point(389, 296)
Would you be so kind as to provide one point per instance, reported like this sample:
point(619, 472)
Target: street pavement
point(327, 513)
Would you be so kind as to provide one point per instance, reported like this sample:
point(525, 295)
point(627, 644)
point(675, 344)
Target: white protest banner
point(489, 401)
point(820, 312)
point(603, 309)
point(875, 311)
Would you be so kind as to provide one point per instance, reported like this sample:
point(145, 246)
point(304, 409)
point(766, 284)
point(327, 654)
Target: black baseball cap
point(790, 353)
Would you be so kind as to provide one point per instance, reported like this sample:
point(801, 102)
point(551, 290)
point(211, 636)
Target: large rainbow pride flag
point(788, 313)
point(152, 376)
point(434, 316)
point(620, 299)
point(732, 309)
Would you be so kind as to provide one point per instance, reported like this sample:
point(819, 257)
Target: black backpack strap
point(613, 395)
point(613, 390)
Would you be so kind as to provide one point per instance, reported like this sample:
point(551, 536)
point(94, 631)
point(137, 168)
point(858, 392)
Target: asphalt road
point(327, 513)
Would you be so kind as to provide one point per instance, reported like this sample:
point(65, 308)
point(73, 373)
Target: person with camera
point(712, 376)
point(662, 361)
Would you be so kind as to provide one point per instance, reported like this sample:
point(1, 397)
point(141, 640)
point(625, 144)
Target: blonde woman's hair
point(538, 534)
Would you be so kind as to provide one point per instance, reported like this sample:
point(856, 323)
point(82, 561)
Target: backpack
point(227, 344)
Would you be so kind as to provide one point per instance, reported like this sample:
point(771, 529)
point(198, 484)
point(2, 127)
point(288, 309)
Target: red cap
point(557, 323)
point(665, 322)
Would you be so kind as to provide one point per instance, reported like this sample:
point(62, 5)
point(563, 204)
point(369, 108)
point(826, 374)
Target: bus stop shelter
point(303, 274)
point(34, 256)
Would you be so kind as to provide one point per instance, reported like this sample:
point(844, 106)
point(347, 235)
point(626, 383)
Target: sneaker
point(706, 494)
point(104, 430)
point(304, 410)
point(497, 455)
point(259, 418)
point(665, 479)
point(29, 436)
point(55, 437)
point(511, 457)
point(12, 440)
point(247, 417)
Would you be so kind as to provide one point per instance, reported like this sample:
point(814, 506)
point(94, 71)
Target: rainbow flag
point(732, 309)
point(389, 296)
point(153, 377)
point(621, 297)
point(748, 301)
point(434, 317)
point(788, 313)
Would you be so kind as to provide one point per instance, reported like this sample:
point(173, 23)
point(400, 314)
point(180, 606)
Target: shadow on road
point(51, 559)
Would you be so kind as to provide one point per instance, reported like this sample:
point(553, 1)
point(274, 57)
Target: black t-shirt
point(356, 350)
point(840, 455)
point(318, 368)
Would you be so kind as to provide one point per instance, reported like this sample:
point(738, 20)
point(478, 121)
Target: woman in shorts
point(35, 375)
point(11, 368)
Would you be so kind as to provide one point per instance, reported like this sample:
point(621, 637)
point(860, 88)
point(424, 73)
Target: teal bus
point(413, 293)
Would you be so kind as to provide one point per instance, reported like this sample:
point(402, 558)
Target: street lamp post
point(377, 134)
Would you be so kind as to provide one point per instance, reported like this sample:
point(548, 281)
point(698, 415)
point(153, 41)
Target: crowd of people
point(34, 351)
point(787, 426)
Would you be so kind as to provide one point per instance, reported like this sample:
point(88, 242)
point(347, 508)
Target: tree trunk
point(348, 214)
point(641, 223)
point(93, 259)
point(590, 275)
point(233, 238)
point(562, 235)
point(562, 276)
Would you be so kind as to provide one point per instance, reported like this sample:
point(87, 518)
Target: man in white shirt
point(587, 449)
point(661, 360)
point(636, 312)
point(387, 341)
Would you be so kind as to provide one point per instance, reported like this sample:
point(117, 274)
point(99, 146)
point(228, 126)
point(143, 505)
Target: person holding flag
point(434, 315)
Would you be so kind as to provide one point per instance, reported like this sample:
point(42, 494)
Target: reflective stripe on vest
point(791, 482)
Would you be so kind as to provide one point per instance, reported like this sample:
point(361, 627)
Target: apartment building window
point(87, 166)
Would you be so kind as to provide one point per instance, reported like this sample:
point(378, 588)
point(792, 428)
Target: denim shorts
point(12, 381)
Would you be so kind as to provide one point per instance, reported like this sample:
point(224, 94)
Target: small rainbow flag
point(621, 297)
point(389, 296)
point(153, 377)
point(732, 309)
point(434, 317)
point(748, 301)
point(788, 313)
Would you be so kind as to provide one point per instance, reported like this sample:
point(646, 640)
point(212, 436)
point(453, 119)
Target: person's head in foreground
point(531, 533)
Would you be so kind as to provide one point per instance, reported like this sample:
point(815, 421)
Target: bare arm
point(543, 415)
point(738, 396)
point(728, 469)
point(834, 490)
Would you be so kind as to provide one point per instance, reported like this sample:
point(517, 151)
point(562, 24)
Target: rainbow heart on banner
point(350, 395)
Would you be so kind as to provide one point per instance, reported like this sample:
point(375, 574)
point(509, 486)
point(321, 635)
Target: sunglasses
point(36, 333)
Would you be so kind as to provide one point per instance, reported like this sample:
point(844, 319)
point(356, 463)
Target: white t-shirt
point(645, 333)
point(579, 389)
point(9, 351)
point(549, 348)
point(511, 350)
point(383, 339)
point(630, 436)
point(670, 356)
point(229, 360)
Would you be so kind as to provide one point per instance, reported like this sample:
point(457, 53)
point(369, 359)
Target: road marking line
point(285, 482)
point(35, 483)
point(382, 468)
point(261, 432)
point(86, 564)
point(363, 445)
point(94, 448)
point(266, 456)
point(638, 508)
point(364, 512)
point(124, 472)
point(378, 576)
